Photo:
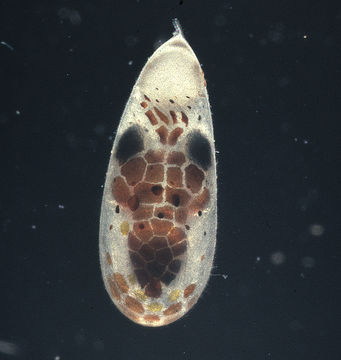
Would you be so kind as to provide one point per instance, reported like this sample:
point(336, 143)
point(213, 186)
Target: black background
point(273, 74)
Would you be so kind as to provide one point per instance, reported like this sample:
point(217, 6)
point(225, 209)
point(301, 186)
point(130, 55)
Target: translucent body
point(158, 218)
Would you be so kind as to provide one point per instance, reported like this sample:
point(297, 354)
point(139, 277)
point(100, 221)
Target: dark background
point(273, 73)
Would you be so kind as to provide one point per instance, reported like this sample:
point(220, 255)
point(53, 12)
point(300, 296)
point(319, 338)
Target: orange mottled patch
point(120, 190)
point(143, 230)
point(162, 116)
point(152, 318)
point(173, 115)
point(113, 289)
point(163, 133)
point(108, 258)
point(200, 201)
point(175, 236)
point(133, 170)
point(176, 158)
point(202, 257)
point(154, 156)
point(154, 173)
point(144, 212)
point(161, 227)
point(174, 135)
point(174, 177)
point(148, 193)
point(177, 197)
point(144, 104)
point(151, 117)
point(173, 309)
point(194, 178)
point(189, 290)
point(164, 212)
point(184, 118)
point(121, 283)
point(134, 305)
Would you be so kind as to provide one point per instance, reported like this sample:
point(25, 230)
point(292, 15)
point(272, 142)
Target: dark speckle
point(117, 209)
point(187, 227)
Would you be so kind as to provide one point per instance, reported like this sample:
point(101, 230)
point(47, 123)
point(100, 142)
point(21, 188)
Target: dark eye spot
point(199, 150)
point(199, 213)
point(157, 190)
point(117, 210)
point(160, 215)
point(130, 143)
point(141, 226)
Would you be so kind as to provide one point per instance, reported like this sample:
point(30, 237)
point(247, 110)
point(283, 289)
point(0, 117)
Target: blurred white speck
point(71, 15)
point(130, 62)
point(71, 50)
point(308, 262)
point(305, 36)
point(60, 206)
point(295, 139)
point(68, 74)
point(258, 259)
point(110, 138)
point(17, 112)
point(57, 357)
point(302, 275)
point(305, 142)
point(251, 36)
point(277, 258)
point(316, 229)
point(102, 186)
point(8, 348)
point(33, 227)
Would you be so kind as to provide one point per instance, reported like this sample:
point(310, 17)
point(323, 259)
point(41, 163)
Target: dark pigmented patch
point(199, 150)
point(130, 143)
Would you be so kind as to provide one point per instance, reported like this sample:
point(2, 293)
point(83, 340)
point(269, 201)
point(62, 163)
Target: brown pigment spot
point(144, 104)
point(179, 248)
point(133, 203)
point(146, 97)
point(184, 118)
point(164, 256)
point(143, 212)
point(133, 170)
point(164, 212)
point(151, 117)
point(133, 242)
point(151, 318)
point(200, 201)
point(173, 115)
point(177, 197)
point(154, 156)
point(176, 157)
point(158, 242)
point(148, 193)
point(163, 133)
point(113, 289)
point(153, 289)
point(154, 173)
point(174, 177)
point(175, 236)
point(161, 227)
point(120, 190)
point(143, 230)
point(173, 136)
point(121, 283)
point(162, 116)
point(194, 178)
point(147, 252)
point(181, 215)
point(189, 290)
point(108, 258)
point(134, 305)
point(173, 309)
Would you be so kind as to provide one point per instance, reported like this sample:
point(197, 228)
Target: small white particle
point(7, 45)
point(57, 357)
point(258, 259)
point(305, 36)
point(60, 206)
point(33, 227)
point(277, 258)
point(295, 139)
point(130, 62)
point(305, 142)
point(17, 112)
point(316, 229)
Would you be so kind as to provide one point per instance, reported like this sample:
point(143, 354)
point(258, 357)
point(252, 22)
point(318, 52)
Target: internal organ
point(160, 191)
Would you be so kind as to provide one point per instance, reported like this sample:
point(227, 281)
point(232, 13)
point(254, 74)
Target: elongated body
point(159, 214)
